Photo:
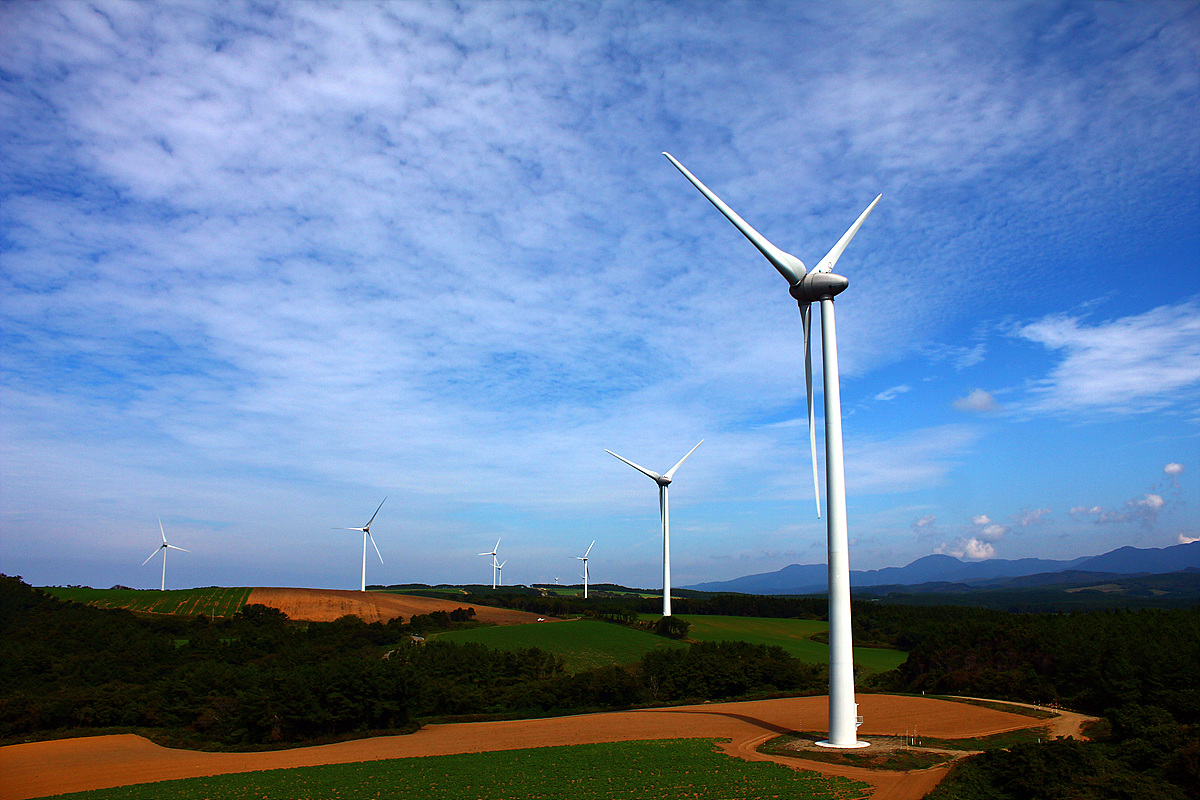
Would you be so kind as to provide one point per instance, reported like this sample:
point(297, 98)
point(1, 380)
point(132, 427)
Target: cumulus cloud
point(1027, 517)
point(971, 549)
point(1173, 469)
point(987, 530)
point(1185, 539)
point(1144, 509)
point(977, 400)
point(925, 526)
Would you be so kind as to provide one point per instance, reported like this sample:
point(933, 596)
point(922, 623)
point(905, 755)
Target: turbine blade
point(502, 563)
point(788, 265)
point(590, 546)
point(372, 519)
point(643, 470)
point(671, 471)
point(372, 538)
point(833, 255)
point(152, 555)
point(173, 547)
point(485, 554)
point(160, 530)
point(806, 317)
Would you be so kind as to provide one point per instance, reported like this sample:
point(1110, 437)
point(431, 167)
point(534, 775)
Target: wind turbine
point(366, 532)
point(663, 482)
point(584, 559)
point(495, 564)
point(500, 571)
point(821, 284)
point(163, 548)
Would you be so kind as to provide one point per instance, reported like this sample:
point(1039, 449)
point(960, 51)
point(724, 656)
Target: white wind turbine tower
point(163, 548)
point(821, 284)
point(584, 559)
point(495, 564)
point(500, 572)
point(366, 532)
point(663, 482)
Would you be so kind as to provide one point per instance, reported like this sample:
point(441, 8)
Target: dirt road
point(71, 765)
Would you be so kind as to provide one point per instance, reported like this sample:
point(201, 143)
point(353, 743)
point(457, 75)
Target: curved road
point(71, 765)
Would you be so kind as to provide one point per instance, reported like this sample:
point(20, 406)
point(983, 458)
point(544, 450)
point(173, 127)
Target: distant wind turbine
point(495, 564)
point(663, 482)
point(500, 571)
point(821, 284)
point(366, 532)
point(584, 559)
point(163, 548)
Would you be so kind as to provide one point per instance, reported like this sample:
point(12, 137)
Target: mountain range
point(811, 578)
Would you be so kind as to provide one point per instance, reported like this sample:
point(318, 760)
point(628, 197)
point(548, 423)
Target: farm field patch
point(691, 768)
point(583, 644)
point(790, 634)
point(213, 601)
point(326, 605)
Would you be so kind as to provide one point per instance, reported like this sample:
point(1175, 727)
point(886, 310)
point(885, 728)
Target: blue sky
point(262, 265)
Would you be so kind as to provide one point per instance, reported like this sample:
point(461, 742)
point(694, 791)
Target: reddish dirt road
point(71, 765)
point(326, 605)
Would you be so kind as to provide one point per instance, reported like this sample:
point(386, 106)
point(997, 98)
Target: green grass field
point(681, 768)
point(583, 644)
point(213, 601)
point(586, 644)
point(790, 634)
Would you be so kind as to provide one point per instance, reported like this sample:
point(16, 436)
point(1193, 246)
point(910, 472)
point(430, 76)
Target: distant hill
point(942, 569)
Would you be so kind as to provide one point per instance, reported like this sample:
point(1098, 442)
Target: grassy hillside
point(790, 634)
point(212, 601)
point(583, 644)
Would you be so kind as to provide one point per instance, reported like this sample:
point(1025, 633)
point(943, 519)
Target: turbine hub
point(818, 286)
point(663, 480)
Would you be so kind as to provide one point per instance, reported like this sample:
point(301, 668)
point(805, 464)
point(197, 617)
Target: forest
point(259, 680)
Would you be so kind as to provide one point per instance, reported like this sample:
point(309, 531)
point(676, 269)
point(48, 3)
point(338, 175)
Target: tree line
point(259, 679)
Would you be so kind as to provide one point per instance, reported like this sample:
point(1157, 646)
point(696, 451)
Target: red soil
point(72, 765)
point(326, 605)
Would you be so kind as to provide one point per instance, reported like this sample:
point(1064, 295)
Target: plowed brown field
point(71, 765)
point(326, 605)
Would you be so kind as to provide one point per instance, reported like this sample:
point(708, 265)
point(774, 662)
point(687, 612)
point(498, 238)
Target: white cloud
point(321, 254)
point(1144, 509)
point(1173, 469)
point(961, 357)
point(1136, 364)
point(986, 530)
point(971, 549)
point(1185, 539)
point(893, 393)
point(977, 400)
point(1028, 517)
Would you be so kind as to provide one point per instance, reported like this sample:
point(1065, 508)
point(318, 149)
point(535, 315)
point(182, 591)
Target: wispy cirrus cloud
point(298, 252)
point(1135, 364)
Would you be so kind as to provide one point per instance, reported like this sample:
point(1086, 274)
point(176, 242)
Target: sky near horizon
point(263, 265)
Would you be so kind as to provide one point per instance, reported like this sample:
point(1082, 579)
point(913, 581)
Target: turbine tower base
point(848, 746)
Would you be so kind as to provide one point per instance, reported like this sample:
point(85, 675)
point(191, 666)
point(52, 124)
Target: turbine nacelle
point(817, 286)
